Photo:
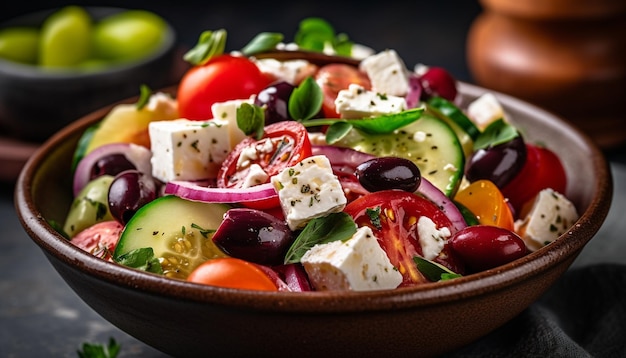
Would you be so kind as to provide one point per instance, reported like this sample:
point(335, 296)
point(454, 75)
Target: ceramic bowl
point(34, 104)
point(182, 318)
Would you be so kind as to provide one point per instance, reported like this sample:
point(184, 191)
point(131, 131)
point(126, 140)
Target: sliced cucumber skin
point(159, 225)
point(439, 156)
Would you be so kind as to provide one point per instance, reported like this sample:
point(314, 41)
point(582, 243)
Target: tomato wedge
point(335, 77)
point(484, 199)
point(393, 216)
point(283, 145)
point(232, 273)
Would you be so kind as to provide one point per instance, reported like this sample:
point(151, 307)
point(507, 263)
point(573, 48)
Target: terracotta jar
point(567, 56)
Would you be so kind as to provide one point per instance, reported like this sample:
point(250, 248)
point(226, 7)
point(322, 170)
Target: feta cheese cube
point(255, 176)
point(387, 72)
point(484, 110)
point(549, 216)
point(357, 102)
point(291, 71)
point(358, 264)
point(431, 239)
point(187, 150)
point(308, 190)
point(227, 111)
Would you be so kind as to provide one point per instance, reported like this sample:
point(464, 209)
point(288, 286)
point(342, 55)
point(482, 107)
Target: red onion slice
point(192, 191)
point(432, 193)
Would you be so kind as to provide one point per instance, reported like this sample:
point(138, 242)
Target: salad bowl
point(187, 319)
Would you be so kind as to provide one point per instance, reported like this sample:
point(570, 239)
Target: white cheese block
point(291, 71)
point(308, 190)
point(431, 239)
point(387, 73)
point(357, 102)
point(227, 111)
point(358, 264)
point(188, 150)
point(550, 215)
point(484, 110)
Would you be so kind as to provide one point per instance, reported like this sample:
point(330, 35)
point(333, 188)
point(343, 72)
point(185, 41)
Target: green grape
point(65, 38)
point(129, 35)
point(19, 44)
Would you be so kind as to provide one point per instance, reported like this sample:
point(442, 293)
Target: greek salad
point(285, 174)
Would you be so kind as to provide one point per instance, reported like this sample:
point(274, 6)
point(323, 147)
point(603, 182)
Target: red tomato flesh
point(335, 77)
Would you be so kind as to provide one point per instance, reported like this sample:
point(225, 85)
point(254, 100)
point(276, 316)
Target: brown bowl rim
point(440, 293)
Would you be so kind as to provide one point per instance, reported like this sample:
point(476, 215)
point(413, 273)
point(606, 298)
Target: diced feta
point(187, 150)
point(357, 102)
point(358, 264)
point(160, 102)
point(549, 216)
point(308, 190)
point(317, 138)
point(484, 110)
point(431, 238)
point(255, 176)
point(228, 111)
point(291, 71)
point(387, 73)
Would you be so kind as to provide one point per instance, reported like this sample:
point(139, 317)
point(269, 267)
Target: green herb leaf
point(387, 123)
point(343, 45)
point(374, 215)
point(141, 259)
point(251, 119)
point(336, 226)
point(337, 130)
point(204, 232)
point(448, 111)
point(305, 100)
point(497, 132)
point(90, 350)
point(144, 96)
point(265, 41)
point(434, 271)
point(210, 44)
point(313, 33)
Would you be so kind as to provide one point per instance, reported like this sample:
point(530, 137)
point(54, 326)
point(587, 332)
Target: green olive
point(65, 38)
point(19, 44)
point(90, 206)
point(129, 35)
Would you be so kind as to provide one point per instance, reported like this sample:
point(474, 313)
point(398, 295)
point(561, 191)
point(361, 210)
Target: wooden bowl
point(179, 317)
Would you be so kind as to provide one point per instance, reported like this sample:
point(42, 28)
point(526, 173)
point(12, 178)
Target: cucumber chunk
point(179, 232)
point(429, 142)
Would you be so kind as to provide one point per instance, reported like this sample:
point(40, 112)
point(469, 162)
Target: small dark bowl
point(182, 318)
point(34, 103)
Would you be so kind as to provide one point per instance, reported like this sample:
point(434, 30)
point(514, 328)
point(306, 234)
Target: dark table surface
point(41, 316)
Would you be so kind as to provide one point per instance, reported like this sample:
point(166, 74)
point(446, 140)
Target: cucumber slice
point(465, 129)
point(429, 142)
point(178, 231)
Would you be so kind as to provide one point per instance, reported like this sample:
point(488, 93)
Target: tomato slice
point(335, 77)
point(232, 273)
point(542, 169)
point(99, 239)
point(484, 199)
point(393, 216)
point(221, 79)
point(283, 145)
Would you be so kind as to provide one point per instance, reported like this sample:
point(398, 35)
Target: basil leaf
point(210, 44)
point(251, 119)
point(141, 259)
point(434, 271)
point(497, 132)
point(387, 123)
point(92, 350)
point(144, 96)
point(343, 45)
point(336, 226)
point(265, 41)
point(337, 131)
point(305, 100)
point(313, 34)
point(374, 216)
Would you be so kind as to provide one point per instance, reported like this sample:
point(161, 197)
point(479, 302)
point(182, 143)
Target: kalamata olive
point(275, 98)
point(129, 191)
point(254, 236)
point(482, 247)
point(436, 81)
point(388, 173)
point(499, 164)
point(111, 164)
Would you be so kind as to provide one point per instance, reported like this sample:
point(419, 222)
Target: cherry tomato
point(543, 169)
point(232, 273)
point(482, 247)
point(393, 215)
point(484, 199)
point(221, 79)
point(99, 239)
point(335, 77)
